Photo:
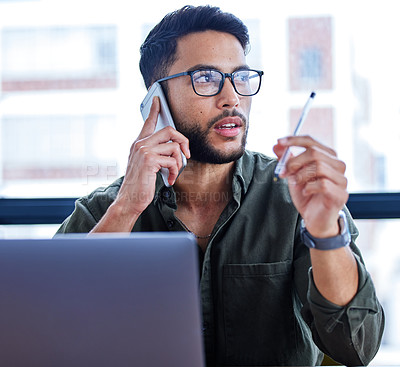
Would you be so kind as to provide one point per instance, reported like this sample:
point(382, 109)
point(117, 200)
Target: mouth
point(229, 127)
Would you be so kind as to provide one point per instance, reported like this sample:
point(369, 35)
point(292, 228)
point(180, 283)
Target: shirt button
point(166, 194)
point(170, 223)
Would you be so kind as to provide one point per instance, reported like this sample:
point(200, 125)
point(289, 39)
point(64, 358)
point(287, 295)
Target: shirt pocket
point(258, 316)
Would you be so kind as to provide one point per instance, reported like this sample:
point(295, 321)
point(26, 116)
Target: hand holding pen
point(282, 162)
point(316, 179)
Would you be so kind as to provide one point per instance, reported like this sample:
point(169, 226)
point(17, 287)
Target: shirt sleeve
point(351, 334)
point(90, 209)
point(81, 220)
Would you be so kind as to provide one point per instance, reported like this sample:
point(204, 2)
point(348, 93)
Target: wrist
point(117, 218)
point(341, 238)
point(121, 210)
point(333, 231)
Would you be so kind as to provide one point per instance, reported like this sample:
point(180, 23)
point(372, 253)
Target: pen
point(282, 162)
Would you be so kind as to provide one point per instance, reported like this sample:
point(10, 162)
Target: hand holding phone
point(164, 119)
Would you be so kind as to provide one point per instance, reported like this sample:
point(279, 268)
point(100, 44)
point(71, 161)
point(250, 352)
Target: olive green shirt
point(259, 302)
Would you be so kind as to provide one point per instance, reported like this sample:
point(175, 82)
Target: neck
point(204, 184)
point(202, 193)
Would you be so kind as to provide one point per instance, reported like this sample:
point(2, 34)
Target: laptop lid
point(130, 300)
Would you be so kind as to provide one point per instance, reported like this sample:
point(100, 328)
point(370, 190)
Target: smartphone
point(164, 119)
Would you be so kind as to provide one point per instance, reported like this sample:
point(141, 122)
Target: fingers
point(279, 150)
point(160, 145)
point(172, 150)
point(316, 168)
point(148, 154)
point(153, 162)
point(167, 135)
point(317, 184)
point(151, 121)
point(164, 135)
point(334, 195)
point(314, 162)
point(320, 178)
point(304, 141)
point(313, 157)
point(163, 149)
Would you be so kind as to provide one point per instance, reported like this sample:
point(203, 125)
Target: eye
point(242, 76)
point(206, 76)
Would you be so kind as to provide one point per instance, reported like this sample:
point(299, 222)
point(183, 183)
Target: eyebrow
point(213, 67)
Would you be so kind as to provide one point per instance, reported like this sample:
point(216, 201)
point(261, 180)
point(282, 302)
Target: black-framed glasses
point(209, 82)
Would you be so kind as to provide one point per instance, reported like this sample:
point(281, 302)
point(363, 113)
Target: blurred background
point(70, 90)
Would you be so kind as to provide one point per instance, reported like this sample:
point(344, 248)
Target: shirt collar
point(242, 175)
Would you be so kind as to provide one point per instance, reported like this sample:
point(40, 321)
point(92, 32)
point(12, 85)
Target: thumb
point(279, 150)
point(150, 123)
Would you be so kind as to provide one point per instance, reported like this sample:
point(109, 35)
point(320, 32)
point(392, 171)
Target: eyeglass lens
point(208, 82)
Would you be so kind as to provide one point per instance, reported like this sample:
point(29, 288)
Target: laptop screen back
point(100, 301)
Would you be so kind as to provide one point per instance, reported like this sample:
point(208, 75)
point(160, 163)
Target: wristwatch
point(329, 243)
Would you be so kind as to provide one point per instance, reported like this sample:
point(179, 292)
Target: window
point(311, 65)
point(52, 58)
point(310, 52)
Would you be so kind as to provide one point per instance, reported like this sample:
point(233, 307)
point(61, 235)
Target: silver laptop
point(129, 300)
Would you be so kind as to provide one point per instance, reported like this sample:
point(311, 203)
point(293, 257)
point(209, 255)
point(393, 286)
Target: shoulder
point(89, 209)
point(258, 158)
point(254, 165)
point(257, 170)
point(98, 201)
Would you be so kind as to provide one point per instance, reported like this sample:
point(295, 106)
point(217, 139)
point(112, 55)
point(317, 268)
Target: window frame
point(378, 205)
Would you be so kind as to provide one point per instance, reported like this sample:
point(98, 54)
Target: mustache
point(227, 113)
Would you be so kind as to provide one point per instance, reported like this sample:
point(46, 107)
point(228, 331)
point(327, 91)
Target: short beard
point(201, 150)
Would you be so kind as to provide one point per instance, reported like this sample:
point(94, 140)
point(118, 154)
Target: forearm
point(116, 219)
point(335, 274)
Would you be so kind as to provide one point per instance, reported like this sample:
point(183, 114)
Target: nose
point(228, 98)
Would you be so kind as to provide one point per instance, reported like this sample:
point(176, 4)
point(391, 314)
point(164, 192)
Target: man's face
point(215, 126)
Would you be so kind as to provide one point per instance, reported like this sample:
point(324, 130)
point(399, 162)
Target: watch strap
point(329, 243)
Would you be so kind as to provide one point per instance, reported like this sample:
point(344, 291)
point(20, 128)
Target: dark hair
point(158, 51)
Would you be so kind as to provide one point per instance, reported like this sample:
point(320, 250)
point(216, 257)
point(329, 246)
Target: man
point(262, 303)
